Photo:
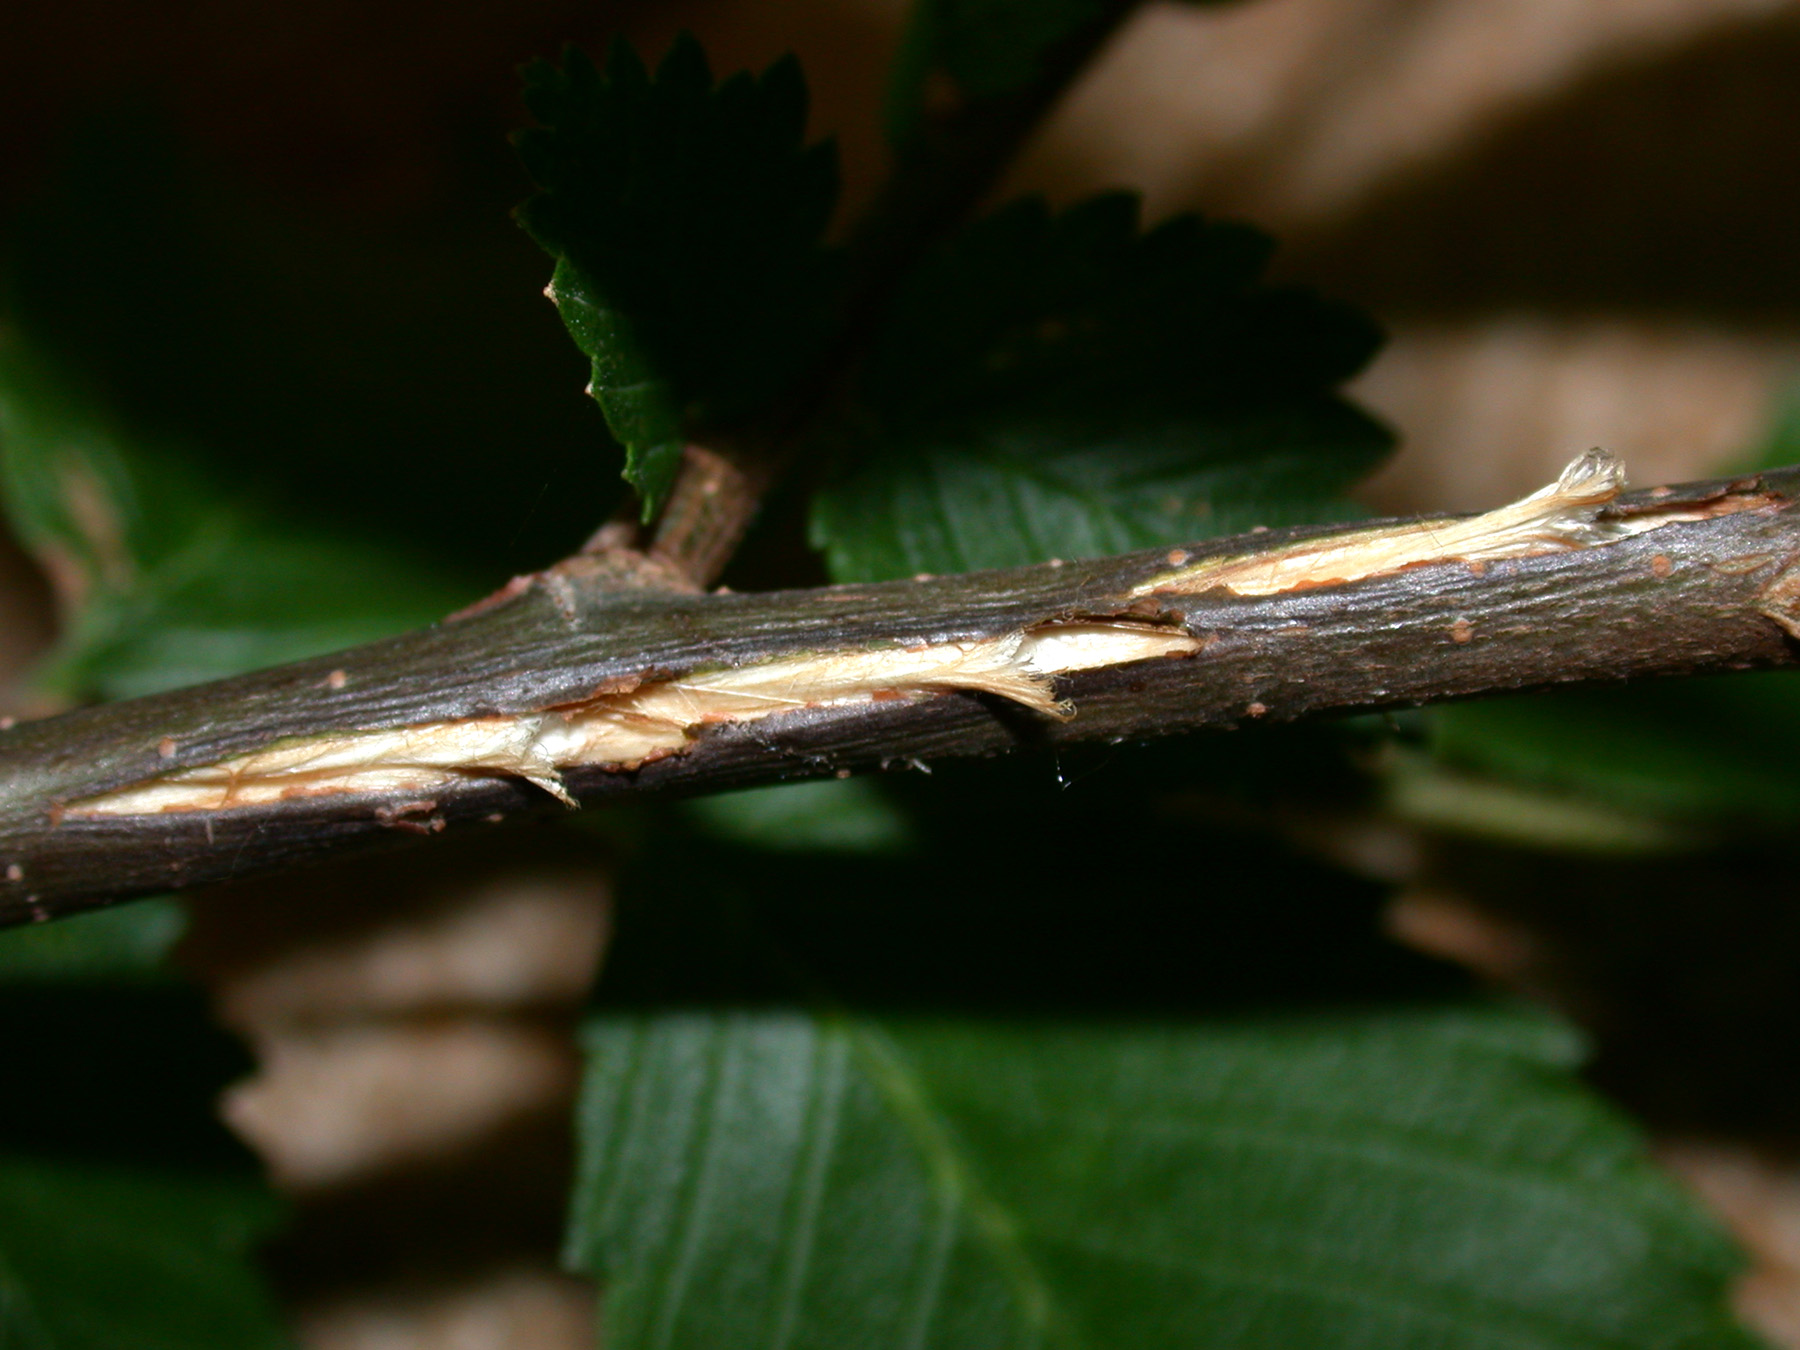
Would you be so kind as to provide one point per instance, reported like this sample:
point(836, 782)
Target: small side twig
point(714, 500)
point(962, 148)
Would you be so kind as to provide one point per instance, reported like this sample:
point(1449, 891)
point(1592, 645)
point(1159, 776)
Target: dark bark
point(1683, 598)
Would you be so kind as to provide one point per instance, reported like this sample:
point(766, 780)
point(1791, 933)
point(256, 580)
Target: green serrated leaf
point(1061, 1096)
point(642, 408)
point(167, 578)
point(1429, 1178)
point(1003, 490)
point(686, 220)
point(1064, 386)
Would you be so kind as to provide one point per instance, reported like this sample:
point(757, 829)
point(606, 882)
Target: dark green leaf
point(1026, 305)
point(830, 815)
point(1066, 386)
point(1780, 444)
point(1002, 491)
point(1045, 1093)
point(383, 373)
point(1432, 1178)
point(686, 221)
point(167, 577)
point(992, 47)
point(1720, 750)
point(642, 407)
point(1508, 811)
point(102, 1257)
point(128, 1215)
point(986, 48)
point(127, 942)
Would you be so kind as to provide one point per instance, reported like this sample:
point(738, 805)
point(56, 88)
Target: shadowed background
point(280, 235)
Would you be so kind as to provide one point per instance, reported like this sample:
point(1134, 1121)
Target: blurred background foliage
point(276, 375)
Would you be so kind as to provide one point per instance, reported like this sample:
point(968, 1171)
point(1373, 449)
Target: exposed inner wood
point(1568, 514)
point(624, 730)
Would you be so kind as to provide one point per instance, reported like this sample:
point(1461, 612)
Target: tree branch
point(573, 688)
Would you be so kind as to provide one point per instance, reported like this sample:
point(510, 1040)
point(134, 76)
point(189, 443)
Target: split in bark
point(496, 714)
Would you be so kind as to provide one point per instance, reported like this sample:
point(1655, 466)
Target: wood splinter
point(1568, 514)
point(624, 730)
